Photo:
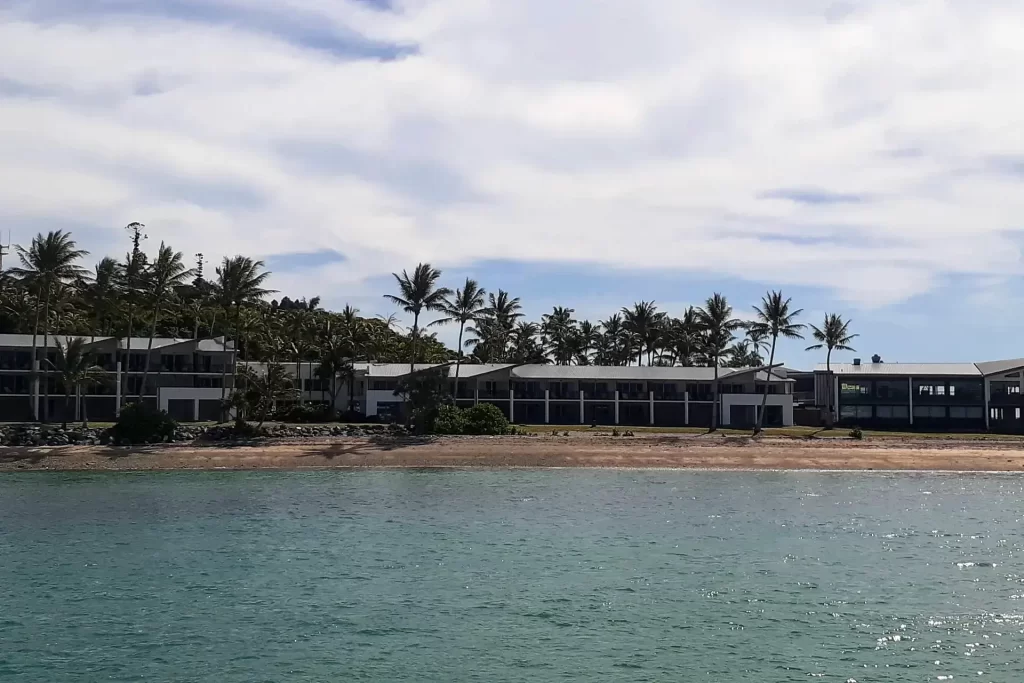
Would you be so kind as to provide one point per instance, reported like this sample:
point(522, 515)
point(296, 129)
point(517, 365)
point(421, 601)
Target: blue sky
point(866, 161)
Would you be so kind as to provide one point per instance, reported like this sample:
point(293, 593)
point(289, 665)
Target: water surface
point(510, 576)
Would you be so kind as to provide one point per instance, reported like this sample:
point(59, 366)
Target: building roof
point(905, 369)
point(574, 372)
point(137, 343)
point(1000, 367)
point(983, 369)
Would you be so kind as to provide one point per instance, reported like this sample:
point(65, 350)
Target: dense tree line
point(146, 295)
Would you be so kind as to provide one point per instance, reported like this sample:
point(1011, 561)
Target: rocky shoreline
point(28, 435)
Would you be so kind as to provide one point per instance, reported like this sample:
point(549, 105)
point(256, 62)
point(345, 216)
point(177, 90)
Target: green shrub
point(856, 433)
point(449, 420)
point(306, 414)
point(485, 418)
point(139, 423)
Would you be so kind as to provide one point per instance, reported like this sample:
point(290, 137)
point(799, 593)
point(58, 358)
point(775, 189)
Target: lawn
point(791, 432)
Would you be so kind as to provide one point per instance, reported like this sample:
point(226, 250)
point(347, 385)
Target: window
point(855, 412)
point(893, 391)
point(855, 389)
point(967, 390)
point(996, 413)
point(932, 412)
point(925, 390)
point(940, 390)
point(965, 413)
point(1013, 389)
point(1018, 413)
point(892, 412)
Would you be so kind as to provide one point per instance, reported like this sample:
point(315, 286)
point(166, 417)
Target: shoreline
point(581, 450)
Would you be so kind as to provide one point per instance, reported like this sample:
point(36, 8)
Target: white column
point(117, 394)
point(834, 388)
point(476, 396)
point(583, 415)
point(195, 410)
point(616, 406)
point(547, 406)
point(511, 404)
point(78, 403)
point(686, 405)
point(987, 388)
point(652, 408)
point(910, 389)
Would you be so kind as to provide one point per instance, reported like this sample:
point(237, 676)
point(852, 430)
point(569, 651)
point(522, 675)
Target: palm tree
point(240, 282)
point(774, 319)
point(643, 321)
point(48, 262)
point(353, 332)
point(466, 306)
point(101, 294)
point(612, 345)
point(834, 334)
point(167, 272)
point(260, 392)
point(588, 338)
point(717, 329)
point(75, 367)
point(417, 293)
point(683, 337)
point(559, 328)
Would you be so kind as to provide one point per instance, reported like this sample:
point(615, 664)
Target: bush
point(140, 423)
point(485, 418)
point(449, 420)
point(304, 414)
point(856, 433)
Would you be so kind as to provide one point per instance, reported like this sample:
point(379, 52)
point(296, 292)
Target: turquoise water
point(510, 576)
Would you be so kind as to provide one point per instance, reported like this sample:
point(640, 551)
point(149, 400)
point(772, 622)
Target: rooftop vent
point(876, 359)
point(856, 362)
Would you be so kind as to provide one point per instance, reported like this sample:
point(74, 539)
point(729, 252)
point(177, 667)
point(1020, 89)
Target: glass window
point(892, 412)
point(937, 412)
point(966, 413)
point(855, 389)
point(891, 390)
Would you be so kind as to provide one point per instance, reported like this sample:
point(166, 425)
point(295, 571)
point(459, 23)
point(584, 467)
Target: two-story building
point(570, 395)
point(925, 396)
point(187, 377)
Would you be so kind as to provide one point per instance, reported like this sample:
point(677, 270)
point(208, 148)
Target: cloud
point(867, 148)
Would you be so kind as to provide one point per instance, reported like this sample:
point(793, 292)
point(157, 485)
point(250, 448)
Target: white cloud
point(639, 134)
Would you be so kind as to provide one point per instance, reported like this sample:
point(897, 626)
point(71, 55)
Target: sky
point(866, 157)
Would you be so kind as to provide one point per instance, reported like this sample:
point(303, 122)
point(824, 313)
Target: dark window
point(892, 412)
point(932, 412)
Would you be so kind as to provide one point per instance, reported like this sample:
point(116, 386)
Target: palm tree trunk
point(415, 338)
point(764, 399)
point(127, 355)
point(149, 351)
point(35, 359)
point(67, 405)
point(85, 414)
point(831, 389)
point(224, 368)
point(714, 408)
point(46, 353)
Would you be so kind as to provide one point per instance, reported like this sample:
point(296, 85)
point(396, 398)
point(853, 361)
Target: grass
point(790, 432)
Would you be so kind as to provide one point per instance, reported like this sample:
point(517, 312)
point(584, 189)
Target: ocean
point(525, 576)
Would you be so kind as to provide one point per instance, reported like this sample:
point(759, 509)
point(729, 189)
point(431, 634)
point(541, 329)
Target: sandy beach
point(576, 450)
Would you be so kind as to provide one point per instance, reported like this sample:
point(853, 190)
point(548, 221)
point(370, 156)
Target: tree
point(102, 294)
point(588, 338)
point(683, 338)
point(76, 368)
point(464, 307)
point(167, 273)
point(240, 282)
point(49, 261)
point(259, 393)
point(560, 334)
point(717, 331)
point(833, 335)
point(418, 293)
point(133, 275)
point(775, 318)
point(644, 322)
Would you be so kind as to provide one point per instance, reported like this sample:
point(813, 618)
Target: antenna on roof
point(5, 249)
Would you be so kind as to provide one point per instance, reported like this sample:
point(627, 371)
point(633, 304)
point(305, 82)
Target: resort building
point(570, 395)
point(923, 396)
point(185, 377)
